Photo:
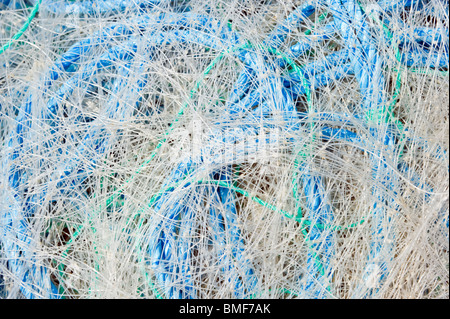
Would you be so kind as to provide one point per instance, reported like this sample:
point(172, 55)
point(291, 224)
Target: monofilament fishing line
point(224, 149)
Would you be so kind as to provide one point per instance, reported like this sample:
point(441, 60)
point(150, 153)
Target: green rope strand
point(27, 23)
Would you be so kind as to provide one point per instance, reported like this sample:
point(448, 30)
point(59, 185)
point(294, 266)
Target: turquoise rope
point(24, 28)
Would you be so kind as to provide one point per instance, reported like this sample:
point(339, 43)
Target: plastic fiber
point(224, 149)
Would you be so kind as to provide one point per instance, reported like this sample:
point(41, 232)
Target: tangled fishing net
point(224, 149)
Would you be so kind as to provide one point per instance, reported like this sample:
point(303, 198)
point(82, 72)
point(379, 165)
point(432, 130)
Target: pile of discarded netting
point(224, 149)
